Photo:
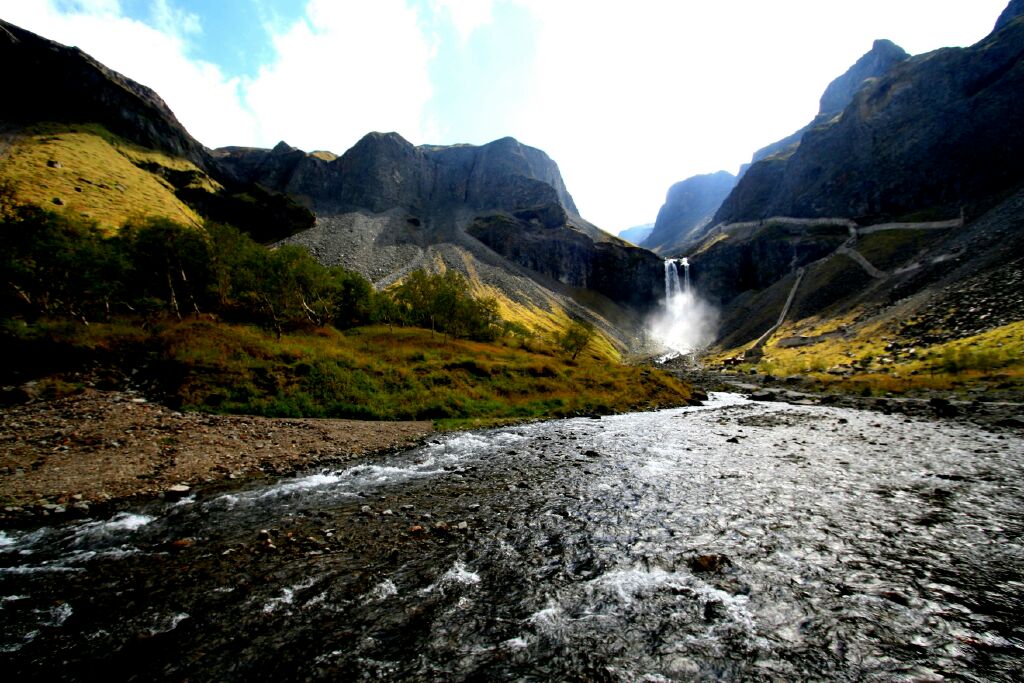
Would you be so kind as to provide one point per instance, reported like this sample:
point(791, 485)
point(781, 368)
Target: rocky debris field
point(74, 455)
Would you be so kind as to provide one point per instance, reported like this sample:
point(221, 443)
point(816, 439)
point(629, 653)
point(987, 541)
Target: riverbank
point(990, 410)
point(76, 455)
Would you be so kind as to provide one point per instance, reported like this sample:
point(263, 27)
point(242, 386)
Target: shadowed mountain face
point(906, 200)
point(691, 205)
point(46, 81)
point(937, 133)
point(688, 208)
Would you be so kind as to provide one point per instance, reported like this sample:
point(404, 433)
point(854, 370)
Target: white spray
point(687, 322)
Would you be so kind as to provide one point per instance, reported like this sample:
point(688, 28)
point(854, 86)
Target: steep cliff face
point(689, 207)
point(47, 81)
point(502, 199)
point(935, 134)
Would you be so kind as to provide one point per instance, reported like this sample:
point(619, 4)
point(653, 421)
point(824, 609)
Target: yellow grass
point(99, 175)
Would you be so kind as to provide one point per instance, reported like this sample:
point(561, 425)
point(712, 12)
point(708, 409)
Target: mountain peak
point(884, 54)
point(1013, 10)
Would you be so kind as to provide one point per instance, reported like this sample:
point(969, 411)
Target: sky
point(627, 97)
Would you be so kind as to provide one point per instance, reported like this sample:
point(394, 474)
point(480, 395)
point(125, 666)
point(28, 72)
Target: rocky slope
point(500, 213)
point(935, 134)
point(80, 135)
point(53, 82)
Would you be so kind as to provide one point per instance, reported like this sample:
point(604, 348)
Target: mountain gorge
point(892, 209)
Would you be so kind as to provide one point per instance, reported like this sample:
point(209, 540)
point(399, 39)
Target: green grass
point(100, 175)
point(366, 373)
point(993, 360)
point(893, 248)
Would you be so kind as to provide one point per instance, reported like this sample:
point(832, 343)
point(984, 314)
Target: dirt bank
point(97, 448)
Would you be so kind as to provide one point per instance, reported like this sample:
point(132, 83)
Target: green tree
point(576, 338)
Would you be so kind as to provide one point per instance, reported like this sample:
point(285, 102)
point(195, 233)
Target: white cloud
point(342, 71)
point(466, 15)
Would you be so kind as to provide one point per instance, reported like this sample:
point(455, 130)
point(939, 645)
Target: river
point(734, 541)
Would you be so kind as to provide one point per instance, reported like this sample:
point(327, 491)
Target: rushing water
point(738, 541)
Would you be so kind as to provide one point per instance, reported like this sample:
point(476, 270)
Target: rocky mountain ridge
point(691, 205)
point(500, 213)
point(934, 135)
point(386, 206)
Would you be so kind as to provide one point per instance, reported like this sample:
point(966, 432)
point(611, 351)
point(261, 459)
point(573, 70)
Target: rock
point(942, 407)
point(473, 507)
point(952, 125)
point(366, 510)
point(592, 454)
point(688, 207)
point(708, 563)
point(177, 491)
point(53, 163)
point(387, 513)
point(462, 526)
point(1016, 422)
point(763, 395)
point(732, 439)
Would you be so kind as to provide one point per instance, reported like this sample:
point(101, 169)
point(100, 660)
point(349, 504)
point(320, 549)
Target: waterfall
point(671, 280)
point(687, 322)
point(673, 289)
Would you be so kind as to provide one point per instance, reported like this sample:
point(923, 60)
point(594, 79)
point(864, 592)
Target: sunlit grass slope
point(864, 359)
point(371, 373)
point(92, 172)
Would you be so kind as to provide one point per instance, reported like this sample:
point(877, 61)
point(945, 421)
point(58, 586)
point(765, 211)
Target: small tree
point(576, 338)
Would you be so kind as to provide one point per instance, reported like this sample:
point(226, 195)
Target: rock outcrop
point(877, 62)
point(692, 205)
point(47, 81)
point(935, 134)
point(689, 206)
point(505, 196)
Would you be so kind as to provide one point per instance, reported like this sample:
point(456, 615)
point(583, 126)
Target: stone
point(763, 395)
point(708, 563)
point(177, 491)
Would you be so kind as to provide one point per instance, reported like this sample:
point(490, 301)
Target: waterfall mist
point(687, 322)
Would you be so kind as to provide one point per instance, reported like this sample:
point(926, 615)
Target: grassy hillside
point(371, 372)
point(872, 359)
point(92, 172)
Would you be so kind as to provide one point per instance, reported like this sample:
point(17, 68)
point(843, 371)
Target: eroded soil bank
point(69, 456)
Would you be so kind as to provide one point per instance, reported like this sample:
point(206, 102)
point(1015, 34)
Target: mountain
point(500, 213)
point(878, 61)
point(900, 218)
point(83, 138)
point(637, 234)
point(937, 133)
point(78, 135)
point(689, 207)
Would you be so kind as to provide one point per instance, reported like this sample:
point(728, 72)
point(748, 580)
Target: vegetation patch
point(206, 319)
point(88, 171)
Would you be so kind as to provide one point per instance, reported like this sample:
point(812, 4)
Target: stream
point(736, 541)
